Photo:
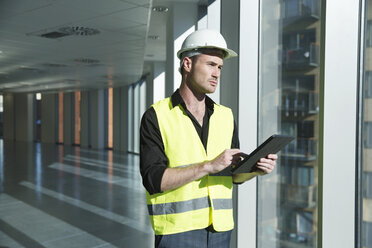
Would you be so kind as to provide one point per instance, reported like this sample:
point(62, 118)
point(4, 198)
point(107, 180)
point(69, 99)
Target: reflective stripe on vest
point(190, 205)
point(205, 201)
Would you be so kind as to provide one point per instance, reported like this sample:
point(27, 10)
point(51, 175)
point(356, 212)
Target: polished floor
point(63, 196)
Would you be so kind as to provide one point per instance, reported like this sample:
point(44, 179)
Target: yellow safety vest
point(203, 202)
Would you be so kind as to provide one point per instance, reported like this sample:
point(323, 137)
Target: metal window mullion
point(359, 137)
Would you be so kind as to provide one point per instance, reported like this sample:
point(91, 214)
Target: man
point(187, 143)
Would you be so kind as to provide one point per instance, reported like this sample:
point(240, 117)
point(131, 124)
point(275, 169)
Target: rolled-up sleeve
point(153, 160)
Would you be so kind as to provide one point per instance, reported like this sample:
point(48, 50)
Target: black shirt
point(153, 160)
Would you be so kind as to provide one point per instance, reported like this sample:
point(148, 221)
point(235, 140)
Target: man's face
point(205, 72)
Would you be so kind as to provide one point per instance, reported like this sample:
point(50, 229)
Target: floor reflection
point(62, 196)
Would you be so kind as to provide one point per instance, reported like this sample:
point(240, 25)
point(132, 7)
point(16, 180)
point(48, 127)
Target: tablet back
point(272, 145)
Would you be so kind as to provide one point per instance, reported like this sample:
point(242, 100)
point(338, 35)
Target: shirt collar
point(177, 99)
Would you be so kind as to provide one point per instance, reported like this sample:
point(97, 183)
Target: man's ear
point(187, 64)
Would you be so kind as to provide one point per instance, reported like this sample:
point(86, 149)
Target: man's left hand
point(267, 164)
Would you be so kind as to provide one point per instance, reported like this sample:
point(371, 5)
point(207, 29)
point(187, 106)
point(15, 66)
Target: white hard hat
point(206, 38)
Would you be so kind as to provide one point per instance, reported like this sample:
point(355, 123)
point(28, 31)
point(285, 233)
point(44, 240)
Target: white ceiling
point(114, 57)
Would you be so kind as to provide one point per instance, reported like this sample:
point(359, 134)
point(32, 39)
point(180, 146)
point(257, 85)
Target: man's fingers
point(267, 168)
point(272, 156)
point(268, 161)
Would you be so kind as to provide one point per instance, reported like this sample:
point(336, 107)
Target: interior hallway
point(66, 196)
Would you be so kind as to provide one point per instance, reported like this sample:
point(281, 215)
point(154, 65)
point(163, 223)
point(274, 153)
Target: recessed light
point(78, 30)
point(162, 9)
point(153, 37)
point(86, 61)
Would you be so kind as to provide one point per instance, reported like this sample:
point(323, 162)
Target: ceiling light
point(54, 35)
point(38, 96)
point(54, 65)
point(162, 9)
point(153, 37)
point(77, 30)
point(86, 61)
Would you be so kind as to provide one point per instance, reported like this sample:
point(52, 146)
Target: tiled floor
point(61, 196)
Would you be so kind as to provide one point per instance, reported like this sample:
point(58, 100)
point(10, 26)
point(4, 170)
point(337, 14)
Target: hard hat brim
point(228, 52)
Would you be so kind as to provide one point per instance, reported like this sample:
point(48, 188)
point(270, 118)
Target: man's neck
point(193, 99)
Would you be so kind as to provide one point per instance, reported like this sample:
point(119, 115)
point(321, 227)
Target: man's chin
point(210, 90)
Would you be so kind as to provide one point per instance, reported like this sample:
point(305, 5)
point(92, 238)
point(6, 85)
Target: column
point(182, 20)
point(23, 111)
point(48, 118)
point(136, 118)
point(155, 84)
point(67, 118)
point(117, 125)
point(8, 116)
point(150, 86)
point(229, 82)
point(97, 120)
point(210, 17)
point(239, 91)
point(85, 120)
point(121, 119)
point(124, 116)
point(338, 149)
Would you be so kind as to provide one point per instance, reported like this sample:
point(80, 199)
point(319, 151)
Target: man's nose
point(216, 73)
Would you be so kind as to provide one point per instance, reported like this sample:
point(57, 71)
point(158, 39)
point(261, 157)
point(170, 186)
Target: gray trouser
point(194, 239)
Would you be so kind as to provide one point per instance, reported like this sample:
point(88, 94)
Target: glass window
point(366, 136)
point(130, 117)
point(288, 104)
point(77, 117)
point(1, 116)
point(368, 84)
point(367, 237)
point(60, 118)
point(136, 108)
point(37, 116)
point(369, 33)
point(109, 131)
point(1, 103)
point(367, 185)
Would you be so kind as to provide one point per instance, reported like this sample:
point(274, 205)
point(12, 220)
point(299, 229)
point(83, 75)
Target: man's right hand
point(176, 177)
point(226, 158)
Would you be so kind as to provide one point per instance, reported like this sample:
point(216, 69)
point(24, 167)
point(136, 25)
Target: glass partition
point(288, 104)
point(136, 108)
point(1, 116)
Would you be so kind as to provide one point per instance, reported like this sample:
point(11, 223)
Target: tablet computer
point(272, 145)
